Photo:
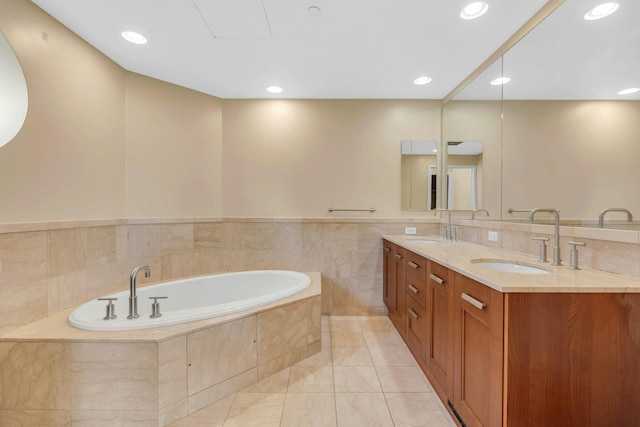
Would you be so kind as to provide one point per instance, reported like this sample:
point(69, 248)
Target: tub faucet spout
point(133, 297)
point(556, 240)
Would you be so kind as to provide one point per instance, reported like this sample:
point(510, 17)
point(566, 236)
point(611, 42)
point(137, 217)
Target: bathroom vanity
point(510, 349)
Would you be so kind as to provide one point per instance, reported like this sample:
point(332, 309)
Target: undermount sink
point(509, 266)
point(421, 240)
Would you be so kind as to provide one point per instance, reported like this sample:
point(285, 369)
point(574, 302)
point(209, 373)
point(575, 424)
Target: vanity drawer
point(438, 275)
point(416, 265)
point(416, 328)
point(417, 288)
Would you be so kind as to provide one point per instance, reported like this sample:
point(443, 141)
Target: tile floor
point(364, 376)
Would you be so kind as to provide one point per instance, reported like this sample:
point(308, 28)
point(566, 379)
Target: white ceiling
point(352, 49)
point(567, 57)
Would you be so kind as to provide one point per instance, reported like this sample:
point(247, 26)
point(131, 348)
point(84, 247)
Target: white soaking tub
point(192, 299)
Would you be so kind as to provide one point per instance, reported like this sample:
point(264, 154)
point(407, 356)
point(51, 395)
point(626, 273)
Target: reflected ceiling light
point(435, 150)
point(133, 37)
point(500, 81)
point(474, 10)
point(629, 91)
point(601, 11)
point(422, 80)
point(314, 11)
point(274, 89)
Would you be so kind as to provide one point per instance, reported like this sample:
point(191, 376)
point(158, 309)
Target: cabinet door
point(388, 285)
point(478, 353)
point(440, 309)
point(416, 328)
point(398, 311)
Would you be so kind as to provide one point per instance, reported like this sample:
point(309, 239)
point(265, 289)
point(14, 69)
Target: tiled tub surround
point(54, 374)
point(49, 267)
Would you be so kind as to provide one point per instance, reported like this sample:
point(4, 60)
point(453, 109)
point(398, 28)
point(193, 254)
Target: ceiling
point(353, 49)
point(569, 58)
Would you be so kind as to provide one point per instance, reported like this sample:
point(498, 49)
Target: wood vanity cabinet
point(394, 283)
point(388, 283)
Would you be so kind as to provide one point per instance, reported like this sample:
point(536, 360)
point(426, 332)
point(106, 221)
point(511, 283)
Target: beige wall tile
point(211, 416)
point(67, 290)
point(221, 390)
point(208, 261)
point(22, 305)
point(314, 328)
point(282, 330)
point(101, 245)
point(172, 412)
point(208, 235)
point(177, 265)
point(281, 362)
point(313, 348)
point(67, 251)
point(274, 383)
point(132, 418)
point(99, 368)
point(34, 375)
point(221, 352)
point(23, 258)
point(30, 418)
point(172, 371)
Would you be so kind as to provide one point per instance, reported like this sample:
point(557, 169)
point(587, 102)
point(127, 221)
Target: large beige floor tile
point(323, 358)
point(344, 324)
point(356, 380)
point(309, 410)
point(311, 379)
point(276, 383)
point(404, 379)
point(375, 324)
point(256, 409)
point(362, 410)
point(382, 339)
point(416, 410)
point(347, 339)
point(391, 356)
point(351, 356)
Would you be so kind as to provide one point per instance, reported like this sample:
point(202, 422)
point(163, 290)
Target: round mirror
point(14, 99)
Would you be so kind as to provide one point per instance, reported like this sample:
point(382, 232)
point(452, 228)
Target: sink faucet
point(556, 241)
point(473, 214)
point(448, 232)
point(601, 217)
point(133, 298)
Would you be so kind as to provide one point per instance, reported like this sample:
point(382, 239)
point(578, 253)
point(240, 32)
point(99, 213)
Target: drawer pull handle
point(399, 256)
point(413, 265)
point(413, 289)
point(474, 302)
point(413, 314)
point(387, 249)
point(436, 279)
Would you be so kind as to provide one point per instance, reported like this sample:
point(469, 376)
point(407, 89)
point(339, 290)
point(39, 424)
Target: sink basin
point(421, 240)
point(509, 266)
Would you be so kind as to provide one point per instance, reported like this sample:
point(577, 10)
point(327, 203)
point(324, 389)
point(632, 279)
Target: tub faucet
point(556, 240)
point(133, 298)
point(601, 217)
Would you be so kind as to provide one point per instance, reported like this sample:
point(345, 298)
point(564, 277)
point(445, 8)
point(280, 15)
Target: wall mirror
point(14, 98)
point(571, 135)
point(473, 116)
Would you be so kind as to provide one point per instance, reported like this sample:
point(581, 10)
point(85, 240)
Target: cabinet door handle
point(398, 256)
point(387, 249)
point(413, 265)
point(413, 289)
point(474, 302)
point(413, 314)
point(436, 279)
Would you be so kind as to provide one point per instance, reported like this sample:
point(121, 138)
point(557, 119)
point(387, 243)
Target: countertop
point(457, 256)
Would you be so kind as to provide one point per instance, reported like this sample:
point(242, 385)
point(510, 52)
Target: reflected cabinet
point(517, 359)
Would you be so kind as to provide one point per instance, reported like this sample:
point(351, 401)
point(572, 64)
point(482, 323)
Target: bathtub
point(192, 299)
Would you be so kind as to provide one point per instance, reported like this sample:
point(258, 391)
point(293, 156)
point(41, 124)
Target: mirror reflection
point(571, 129)
point(13, 93)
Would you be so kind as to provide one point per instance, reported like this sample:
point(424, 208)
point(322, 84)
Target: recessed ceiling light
point(313, 10)
point(134, 37)
point(601, 11)
point(500, 81)
point(274, 89)
point(474, 10)
point(629, 91)
point(423, 80)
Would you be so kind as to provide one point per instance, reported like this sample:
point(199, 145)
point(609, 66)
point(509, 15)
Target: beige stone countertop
point(457, 255)
point(57, 328)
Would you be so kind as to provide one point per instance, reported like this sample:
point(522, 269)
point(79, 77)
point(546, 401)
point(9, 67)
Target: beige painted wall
point(479, 120)
point(576, 156)
point(300, 157)
point(173, 150)
point(98, 141)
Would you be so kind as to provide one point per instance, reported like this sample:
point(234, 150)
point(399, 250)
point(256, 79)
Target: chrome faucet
point(473, 214)
point(556, 240)
point(133, 298)
point(601, 217)
point(448, 231)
